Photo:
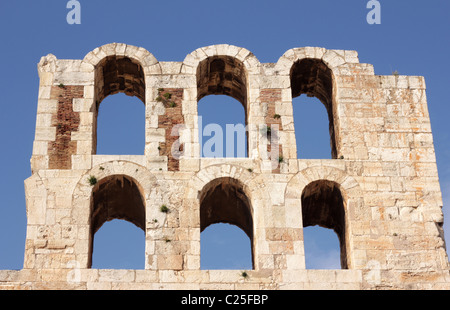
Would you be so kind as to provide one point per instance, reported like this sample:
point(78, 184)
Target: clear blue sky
point(413, 38)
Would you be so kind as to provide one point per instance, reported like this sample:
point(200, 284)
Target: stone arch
point(117, 68)
point(252, 186)
point(312, 77)
point(149, 62)
point(214, 193)
point(136, 55)
point(233, 68)
point(110, 196)
point(240, 56)
point(118, 73)
point(323, 205)
point(82, 198)
point(347, 186)
point(332, 58)
point(224, 200)
point(222, 75)
point(116, 197)
point(312, 71)
point(192, 60)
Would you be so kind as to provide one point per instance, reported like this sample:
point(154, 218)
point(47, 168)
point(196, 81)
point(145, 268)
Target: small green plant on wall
point(165, 98)
point(92, 180)
point(164, 209)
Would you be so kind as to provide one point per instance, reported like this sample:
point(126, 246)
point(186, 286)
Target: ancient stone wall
point(380, 191)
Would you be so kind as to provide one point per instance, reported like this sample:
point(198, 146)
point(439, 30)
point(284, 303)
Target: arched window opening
point(120, 119)
point(119, 244)
point(119, 74)
point(121, 126)
point(224, 201)
point(222, 131)
point(225, 246)
point(313, 78)
point(321, 248)
point(116, 197)
point(311, 128)
point(323, 205)
point(223, 75)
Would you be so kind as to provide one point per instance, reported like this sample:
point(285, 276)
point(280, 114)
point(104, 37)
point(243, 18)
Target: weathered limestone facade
point(380, 192)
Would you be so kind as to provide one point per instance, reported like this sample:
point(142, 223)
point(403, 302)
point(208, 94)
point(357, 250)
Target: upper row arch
point(332, 58)
point(146, 59)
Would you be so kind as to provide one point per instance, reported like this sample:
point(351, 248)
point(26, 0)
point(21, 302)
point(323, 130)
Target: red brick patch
point(172, 98)
point(66, 121)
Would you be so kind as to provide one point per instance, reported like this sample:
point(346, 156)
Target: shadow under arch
point(116, 197)
point(117, 74)
point(253, 187)
point(314, 78)
point(118, 68)
point(82, 199)
point(323, 204)
point(332, 182)
point(149, 62)
point(223, 75)
point(223, 69)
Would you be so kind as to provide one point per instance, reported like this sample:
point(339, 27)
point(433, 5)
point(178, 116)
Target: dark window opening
point(225, 246)
point(222, 131)
point(321, 248)
point(121, 126)
point(323, 205)
point(119, 74)
point(119, 244)
point(313, 78)
point(116, 197)
point(224, 201)
point(120, 121)
point(224, 75)
point(311, 129)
